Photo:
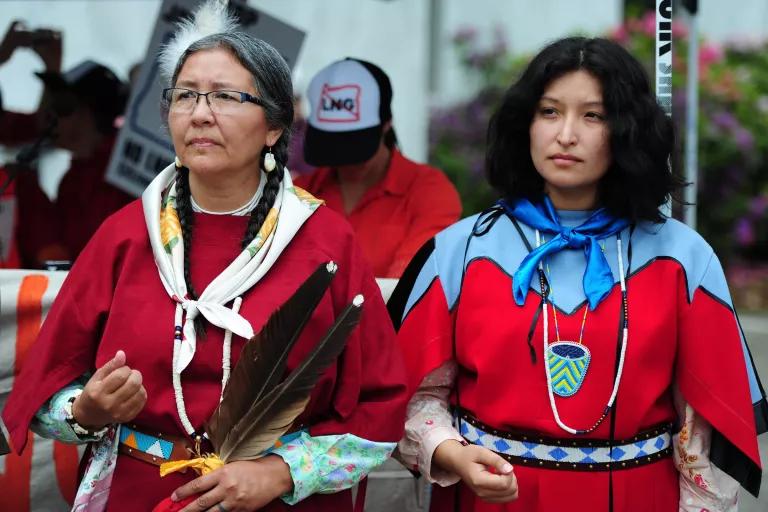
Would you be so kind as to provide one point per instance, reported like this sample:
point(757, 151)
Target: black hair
point(638, 181)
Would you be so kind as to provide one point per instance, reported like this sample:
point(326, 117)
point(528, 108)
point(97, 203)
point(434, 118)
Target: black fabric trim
point(577, 442)
point(522, 235)
point(648, 263)
point(730, 459)
point(574, 442)
point(718, 300)
point(399, 298)
point(4, 447)
point(761, 414)
point(761, 407)
point(581, 304)
point(571, 466)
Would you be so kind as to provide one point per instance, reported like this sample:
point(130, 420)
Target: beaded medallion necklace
point(573, 354)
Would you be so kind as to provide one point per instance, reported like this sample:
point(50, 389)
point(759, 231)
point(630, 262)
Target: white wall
point(729, 20)
point(528, 26)
point(116, 33)
point(113, 32)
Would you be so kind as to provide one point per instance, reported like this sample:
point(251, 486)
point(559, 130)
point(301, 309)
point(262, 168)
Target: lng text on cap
point(344, 97)
point(339, 104)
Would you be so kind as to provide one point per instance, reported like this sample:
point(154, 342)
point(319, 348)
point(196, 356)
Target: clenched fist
point(114, 394)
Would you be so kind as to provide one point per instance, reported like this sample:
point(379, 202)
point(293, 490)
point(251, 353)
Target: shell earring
point(269, 161)
point(178, 162)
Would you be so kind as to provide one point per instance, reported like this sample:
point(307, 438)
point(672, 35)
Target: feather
point(274, 414)
point(210, 18)
point(262, 359)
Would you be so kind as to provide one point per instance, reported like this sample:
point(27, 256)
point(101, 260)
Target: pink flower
point(700, 482)
point(648, 23)
point(679, 30)
point(709, 53)
point(620, 34)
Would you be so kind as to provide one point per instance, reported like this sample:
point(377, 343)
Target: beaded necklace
point(226, 357)
point(568, 360)
point(625, 332)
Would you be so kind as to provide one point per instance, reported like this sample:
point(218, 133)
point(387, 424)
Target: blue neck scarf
point(598, 278)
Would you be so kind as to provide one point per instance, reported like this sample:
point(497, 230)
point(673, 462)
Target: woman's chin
point(203, 165)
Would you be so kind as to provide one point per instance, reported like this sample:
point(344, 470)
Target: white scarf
point(291, 209)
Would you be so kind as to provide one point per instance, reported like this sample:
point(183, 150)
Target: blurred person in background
point(393, 203)
point(77, 113)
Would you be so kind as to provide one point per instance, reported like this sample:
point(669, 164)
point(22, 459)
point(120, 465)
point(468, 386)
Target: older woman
point(141, 334)
point(575, 332)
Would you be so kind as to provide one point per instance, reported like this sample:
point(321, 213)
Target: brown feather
point(274, 414)
point(262, 359)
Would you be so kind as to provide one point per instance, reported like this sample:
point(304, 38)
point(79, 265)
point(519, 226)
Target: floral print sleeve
point(328, 464)
point(428, 423)
point(50, 420)
point(703, 486)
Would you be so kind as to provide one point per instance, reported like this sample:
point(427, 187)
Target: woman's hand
point(114, 394)
point(489, 476)
point(240, 486)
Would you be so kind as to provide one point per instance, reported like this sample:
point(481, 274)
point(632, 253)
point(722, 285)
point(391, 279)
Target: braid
point(186, 220)
point(266, 202)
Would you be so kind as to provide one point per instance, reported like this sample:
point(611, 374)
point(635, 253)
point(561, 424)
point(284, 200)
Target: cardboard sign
point(144, 147)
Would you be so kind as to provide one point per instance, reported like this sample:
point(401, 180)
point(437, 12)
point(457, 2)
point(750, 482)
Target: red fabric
point(669, 341)
point(395, 217)
point(113, 299)
point(60, 229)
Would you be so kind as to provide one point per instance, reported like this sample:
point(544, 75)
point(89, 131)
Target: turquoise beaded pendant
point(568, 363)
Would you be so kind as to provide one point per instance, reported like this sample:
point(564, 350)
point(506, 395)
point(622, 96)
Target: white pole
point(664, 66)
point(692, 121)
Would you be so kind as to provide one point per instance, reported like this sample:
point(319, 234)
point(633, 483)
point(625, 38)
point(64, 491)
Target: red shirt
point(113, 299)
point(397, 215)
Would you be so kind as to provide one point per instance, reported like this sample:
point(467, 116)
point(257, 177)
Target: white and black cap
point(349, 102)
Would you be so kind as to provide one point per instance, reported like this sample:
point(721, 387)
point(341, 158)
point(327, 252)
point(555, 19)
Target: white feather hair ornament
point(212, 17)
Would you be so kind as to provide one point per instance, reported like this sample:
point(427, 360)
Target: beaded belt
point(153, 448)
point(159, 448)
point(579, 454)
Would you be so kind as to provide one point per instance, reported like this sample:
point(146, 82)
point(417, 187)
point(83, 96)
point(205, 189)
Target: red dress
point(113, 299)
point(456, 302)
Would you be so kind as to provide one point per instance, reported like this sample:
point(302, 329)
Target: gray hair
point(271, 77)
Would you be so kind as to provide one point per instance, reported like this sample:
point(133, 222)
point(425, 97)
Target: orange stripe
point(29, 314)
point(16, 482)
point(15, 494)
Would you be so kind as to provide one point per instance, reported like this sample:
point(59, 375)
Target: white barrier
point(44, 477)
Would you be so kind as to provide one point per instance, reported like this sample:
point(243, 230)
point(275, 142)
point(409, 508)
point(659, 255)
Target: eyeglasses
point(183, 101)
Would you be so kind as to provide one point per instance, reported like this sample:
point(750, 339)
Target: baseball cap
point(349, 102)
point(93, 85)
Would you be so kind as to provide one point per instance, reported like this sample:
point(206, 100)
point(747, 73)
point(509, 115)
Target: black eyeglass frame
point(244, 96)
